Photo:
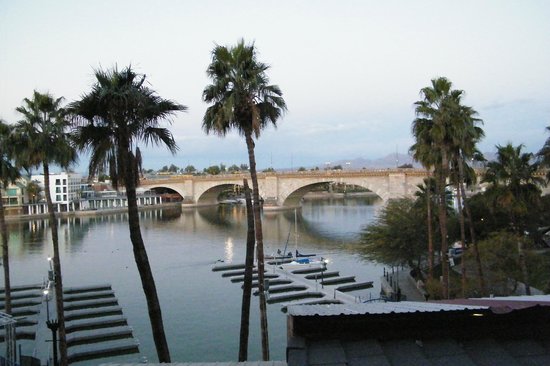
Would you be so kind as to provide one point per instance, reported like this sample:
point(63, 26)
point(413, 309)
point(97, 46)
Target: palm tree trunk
point(247, 285)
point(5, 258)
point(63, 359)
point(459, 198)
point(443, 224)
point(259, 246)
point(142, 260)
point(430, 228)
point(473, 240)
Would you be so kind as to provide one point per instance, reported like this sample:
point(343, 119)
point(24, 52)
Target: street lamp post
point(53, 325)
point(51, 276)
point(46, 293)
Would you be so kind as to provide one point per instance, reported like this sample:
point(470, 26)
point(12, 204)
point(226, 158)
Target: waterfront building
point(111, 199)
point(69, 193)
point(14, 196)
point(64, 190)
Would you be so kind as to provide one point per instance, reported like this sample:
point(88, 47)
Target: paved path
point(405, 282)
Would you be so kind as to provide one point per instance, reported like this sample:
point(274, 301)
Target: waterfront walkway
point(400, 281)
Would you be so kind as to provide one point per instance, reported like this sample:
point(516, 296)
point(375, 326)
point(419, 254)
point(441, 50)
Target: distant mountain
point(388, 161)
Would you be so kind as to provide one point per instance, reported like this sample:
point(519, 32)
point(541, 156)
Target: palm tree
point(43, 141)
point(247, 283)
point(433, 132)
point(109, 122)
point(242, 99)
point(514, 187)
point(465, 134)
point(422, 152)
point(8, 174)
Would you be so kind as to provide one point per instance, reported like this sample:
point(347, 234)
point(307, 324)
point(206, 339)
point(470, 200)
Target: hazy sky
point(350, 71)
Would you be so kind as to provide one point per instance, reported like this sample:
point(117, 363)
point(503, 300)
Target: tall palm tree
point(514, 187)
point(43, 140)
point(8, 174)
point(109, 122)
point(433, 129)
point(247, 283)
point(465, 134)
point(242, 99)
point(422, 152)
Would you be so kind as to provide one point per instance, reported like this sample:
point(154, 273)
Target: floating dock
point(308, 285)
point(94, 322)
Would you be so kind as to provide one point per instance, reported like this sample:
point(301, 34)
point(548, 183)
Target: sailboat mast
point(295, 232)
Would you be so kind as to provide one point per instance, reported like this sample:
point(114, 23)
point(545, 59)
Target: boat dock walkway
point(94, 321)
point(399, 283)
point(311, 284)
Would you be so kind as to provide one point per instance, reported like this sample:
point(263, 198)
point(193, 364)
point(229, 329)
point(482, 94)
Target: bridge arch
point(170, 189)
point(292, 195)
point(209, 196)
point(294, 198)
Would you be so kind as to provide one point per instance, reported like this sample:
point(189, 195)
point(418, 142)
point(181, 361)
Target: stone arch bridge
point(281, 190)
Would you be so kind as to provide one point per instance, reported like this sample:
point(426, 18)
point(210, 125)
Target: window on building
point(57, 189)
point(64, 182)
point(64, 189)
point(64, 197)
point(58, 182)
point(58, 197)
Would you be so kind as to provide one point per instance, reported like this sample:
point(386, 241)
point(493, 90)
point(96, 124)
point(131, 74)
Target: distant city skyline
point(350, 71)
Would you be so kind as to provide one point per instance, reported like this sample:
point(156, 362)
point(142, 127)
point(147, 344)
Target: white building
point(64, 189)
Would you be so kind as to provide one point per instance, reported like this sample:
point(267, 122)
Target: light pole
point(53, 325)
point(51, 276)
point(46, 293)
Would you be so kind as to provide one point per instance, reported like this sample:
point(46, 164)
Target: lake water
point(201, 310)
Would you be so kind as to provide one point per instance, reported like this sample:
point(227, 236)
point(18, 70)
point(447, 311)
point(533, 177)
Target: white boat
point(300, 263)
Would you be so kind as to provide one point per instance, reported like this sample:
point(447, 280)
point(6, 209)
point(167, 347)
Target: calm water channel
point(201, 309)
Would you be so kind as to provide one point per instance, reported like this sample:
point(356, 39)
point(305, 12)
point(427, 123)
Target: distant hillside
point(389, 161)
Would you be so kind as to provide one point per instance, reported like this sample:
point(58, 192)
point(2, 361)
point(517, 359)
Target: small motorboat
point(299, 263)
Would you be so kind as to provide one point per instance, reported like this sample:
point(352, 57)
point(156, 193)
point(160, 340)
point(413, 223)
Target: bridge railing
point(308, 173)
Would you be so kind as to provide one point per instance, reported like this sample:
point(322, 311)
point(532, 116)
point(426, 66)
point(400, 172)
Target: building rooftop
point(467, 332)
point(377, 308)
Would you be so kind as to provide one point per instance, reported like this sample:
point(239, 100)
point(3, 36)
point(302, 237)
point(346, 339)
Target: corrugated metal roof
point(536, 298)
point(502, 304)
point(376, 308)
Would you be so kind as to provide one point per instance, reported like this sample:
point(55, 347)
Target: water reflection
point(200, 307)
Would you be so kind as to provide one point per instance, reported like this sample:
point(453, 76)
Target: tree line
point(510, 212)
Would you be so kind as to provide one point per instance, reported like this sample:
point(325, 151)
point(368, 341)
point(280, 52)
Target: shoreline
point(87, 213)
point(317, 195)
point(180, 205)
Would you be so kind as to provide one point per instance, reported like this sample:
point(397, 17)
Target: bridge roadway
point(283, 190)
